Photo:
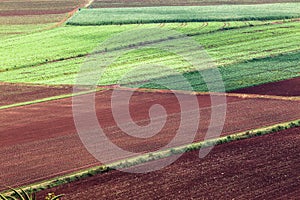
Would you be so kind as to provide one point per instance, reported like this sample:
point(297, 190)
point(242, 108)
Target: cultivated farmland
point(47, 145)
point(253, 44)
point(185, 14)
point(265, 167)
point(135, 3)
point(23, 16)
point(251, 49)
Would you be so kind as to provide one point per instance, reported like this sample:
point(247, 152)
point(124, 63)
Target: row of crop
point(171, 14)
point(241, 75)
point(68, 42)
point(54, 182)
point(226, 47)
point(133, 3)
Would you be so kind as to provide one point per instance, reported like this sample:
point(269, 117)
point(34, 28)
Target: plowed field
point(265, 167)
point(39, 141)
point(290, 87)
point(16, 93)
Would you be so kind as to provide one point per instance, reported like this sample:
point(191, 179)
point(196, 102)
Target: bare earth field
point(16, 93)
point(289, 87)
point(38, 7)
point(27, 16)
point(39, 141)
point(136, 3)
point(265, 167)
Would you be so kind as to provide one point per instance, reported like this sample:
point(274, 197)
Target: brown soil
point(38, 7)
point(16, 93)
point(39, 141)
point(290, 87)
point(135, 3)
point(265, 167)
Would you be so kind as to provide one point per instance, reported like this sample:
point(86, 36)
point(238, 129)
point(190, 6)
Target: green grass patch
point(105, 16)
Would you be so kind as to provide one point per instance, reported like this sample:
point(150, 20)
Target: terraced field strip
point(232, 94)
point(171, 14)
point(58, 60)
point(12, 93)
point(235, 76)
point(24, 17)
point(134, 3)
point(39, 141)
point(261, 167)
point(288, 87)
point(135, 161)
point(51, 98)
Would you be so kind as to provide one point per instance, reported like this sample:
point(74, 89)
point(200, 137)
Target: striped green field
point(144, 3)
point(55, 56)
point(241, 75)
point(104, 16)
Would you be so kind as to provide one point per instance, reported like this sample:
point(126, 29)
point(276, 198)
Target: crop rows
point(58, 58)
point(105, 16)
point(235, 76)
point(134, 3)
point(23, 17)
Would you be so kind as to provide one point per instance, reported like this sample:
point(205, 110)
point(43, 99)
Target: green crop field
point(144, 3)
point(235, 76)
point(104, 16)
point(57, 58)
point(48, 47)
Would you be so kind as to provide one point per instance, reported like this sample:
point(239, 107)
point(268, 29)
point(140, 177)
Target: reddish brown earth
point(290, 87)
point(136, 3)
point(39, 141)
point(265, 167)
point(38, 7)
point(16, 93)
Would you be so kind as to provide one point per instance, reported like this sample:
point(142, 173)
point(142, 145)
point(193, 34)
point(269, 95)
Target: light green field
point(55, 56)
point(104, 16)
point(8, 31)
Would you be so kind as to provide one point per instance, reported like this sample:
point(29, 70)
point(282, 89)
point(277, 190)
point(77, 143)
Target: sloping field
point(58, 58)
point(105, 16)
point(290, 87)
point(136, 3)
point(17, 93)
point(37, 7)
point(39, 141)
point(265, 167)
point(241, 75)
point(26, 16)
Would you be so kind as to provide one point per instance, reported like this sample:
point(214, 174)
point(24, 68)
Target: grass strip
point(126, 163)
point(63, 96)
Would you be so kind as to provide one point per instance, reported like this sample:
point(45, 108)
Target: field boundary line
point(240, 95)
point(148, 157)
point(149, 90)
point(68, 15)
point(53, 98)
